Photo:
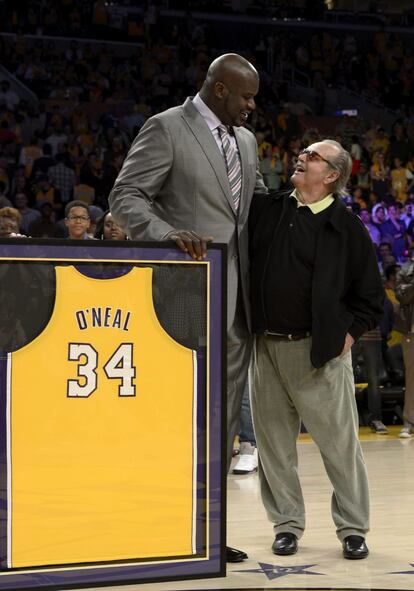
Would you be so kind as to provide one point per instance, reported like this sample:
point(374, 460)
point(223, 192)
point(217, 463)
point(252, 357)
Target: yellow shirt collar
point(314, 207)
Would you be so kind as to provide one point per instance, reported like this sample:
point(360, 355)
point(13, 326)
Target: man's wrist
point(168, 234)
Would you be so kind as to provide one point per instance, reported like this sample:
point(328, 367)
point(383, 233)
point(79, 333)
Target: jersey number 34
point(118, 367)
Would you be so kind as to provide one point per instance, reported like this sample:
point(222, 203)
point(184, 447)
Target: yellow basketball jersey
point(102, 409)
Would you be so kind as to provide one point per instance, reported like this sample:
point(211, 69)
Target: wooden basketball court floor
point(319, 563)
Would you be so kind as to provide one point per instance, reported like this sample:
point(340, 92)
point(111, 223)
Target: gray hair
point(343, 164)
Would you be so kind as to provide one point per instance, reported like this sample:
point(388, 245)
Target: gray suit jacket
point(174, 178)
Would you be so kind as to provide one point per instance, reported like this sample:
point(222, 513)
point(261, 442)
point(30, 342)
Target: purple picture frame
point(210, 559)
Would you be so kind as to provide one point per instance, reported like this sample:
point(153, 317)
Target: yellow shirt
point(395, 335)
point(316, 207)
point(84, 193)
point(399, 183)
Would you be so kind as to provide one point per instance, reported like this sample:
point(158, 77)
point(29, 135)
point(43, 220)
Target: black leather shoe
point(285, 544)
point(354, 547)
point(233, 555)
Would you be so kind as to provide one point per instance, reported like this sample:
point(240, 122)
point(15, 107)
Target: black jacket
point(347, 293)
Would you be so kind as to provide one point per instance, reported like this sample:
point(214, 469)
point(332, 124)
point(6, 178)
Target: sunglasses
point(313, 156)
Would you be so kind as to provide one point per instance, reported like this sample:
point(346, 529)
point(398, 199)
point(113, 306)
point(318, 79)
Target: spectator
point(116, 152)
point(358, 198)
point(10, 220)
point(380, 176)
point(384, 255)
point(408, 213)
point(404, 291)
point(262, 145)
point(410, 232)
point(369, 347)
point(4, 201)
point(55, 138)
point(41, 165)
point(44, 226)
point(77, 220)
point(33, 122)
point(271, 167)
point(362, 179)
point(379, 215)
point(393, 231)
point(4, 175)
point(48, 193)
point(91, 172)
point(373, 230)
point(29, 154)
point(84, 192)
point(402, 180)
point(381, 142)
point(21, 183)
point(28, 215)
point(356, 155)
point(133, 122)
point(108, 229)
point(399, 145)
point(62, 178)
point(6, 134)
point(397, 328)
point(95, 213)
point(247, 461)
point(7, 96)
point(372, 200)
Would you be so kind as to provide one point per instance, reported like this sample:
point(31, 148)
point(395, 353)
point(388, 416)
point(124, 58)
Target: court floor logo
point(275, 571)
point(403, 572)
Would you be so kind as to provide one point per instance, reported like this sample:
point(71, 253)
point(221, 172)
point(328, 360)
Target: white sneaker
point(247, 461)
point(378, 427)
point(405, 433)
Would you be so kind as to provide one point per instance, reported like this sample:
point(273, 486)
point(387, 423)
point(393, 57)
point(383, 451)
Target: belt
point(287, 337)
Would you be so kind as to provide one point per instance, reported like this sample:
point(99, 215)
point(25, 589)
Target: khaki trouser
point(286, 390)
point(408, 355)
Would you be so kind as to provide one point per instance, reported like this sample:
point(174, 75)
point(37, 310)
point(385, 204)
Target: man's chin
point(295, 179)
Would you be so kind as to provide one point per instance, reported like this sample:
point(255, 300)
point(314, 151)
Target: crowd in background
point(93, 100)
point(378, 65)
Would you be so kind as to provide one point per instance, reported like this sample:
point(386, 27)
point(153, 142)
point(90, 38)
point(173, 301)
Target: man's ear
point(220, 90)
point(331, 177)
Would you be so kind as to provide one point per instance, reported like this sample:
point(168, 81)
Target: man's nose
point(251, 103)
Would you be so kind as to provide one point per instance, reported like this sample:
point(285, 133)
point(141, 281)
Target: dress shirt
point(213, 123)
point(316, 207)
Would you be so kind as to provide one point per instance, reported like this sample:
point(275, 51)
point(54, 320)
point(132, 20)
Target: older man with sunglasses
point(315, 289)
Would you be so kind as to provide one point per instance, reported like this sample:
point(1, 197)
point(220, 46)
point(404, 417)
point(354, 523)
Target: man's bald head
point(229, 89)
point(228, 66)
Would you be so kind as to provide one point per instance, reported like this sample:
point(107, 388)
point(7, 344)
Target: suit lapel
point(208, 144)
point(244, 159)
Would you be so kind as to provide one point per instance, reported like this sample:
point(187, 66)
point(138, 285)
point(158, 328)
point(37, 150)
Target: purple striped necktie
point(233, 165)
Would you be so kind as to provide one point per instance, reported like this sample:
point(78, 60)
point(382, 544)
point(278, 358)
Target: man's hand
point(349, 341)
point(190, 242)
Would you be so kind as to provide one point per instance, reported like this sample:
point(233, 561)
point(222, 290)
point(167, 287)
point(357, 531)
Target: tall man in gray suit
point(189, 177)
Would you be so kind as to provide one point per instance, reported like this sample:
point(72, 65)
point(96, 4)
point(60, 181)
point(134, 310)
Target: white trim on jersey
point(9, 462)
point(194, 524)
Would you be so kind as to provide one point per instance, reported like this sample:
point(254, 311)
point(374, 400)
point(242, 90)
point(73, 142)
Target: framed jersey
point(112, 409)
